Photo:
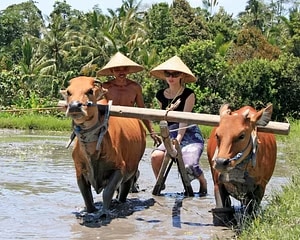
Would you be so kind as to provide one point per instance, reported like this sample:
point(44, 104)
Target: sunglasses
point(172, 74)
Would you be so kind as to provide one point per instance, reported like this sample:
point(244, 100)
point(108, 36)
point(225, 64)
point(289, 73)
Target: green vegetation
point(51, 122)
point(251, 59)
point(35, 121)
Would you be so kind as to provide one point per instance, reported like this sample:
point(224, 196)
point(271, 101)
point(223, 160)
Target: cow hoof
point(87, 217)
point(90, 217)
point(224, 217)
point(104, 214)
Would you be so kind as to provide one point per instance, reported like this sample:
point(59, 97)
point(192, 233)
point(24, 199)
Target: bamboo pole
point(186, 117)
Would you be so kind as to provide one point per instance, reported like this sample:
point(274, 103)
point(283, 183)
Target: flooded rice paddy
point(40, 198)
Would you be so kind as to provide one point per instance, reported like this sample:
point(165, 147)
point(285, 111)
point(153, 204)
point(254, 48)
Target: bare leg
point(203, 185)
point(157, 157)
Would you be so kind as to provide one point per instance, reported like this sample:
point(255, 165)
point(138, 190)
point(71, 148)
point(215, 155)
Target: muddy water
point(40, 198)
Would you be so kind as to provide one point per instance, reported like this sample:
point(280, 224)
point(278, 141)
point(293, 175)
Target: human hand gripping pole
point(156, 139)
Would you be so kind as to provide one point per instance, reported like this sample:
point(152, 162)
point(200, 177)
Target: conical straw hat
point(173, 64)
point(119, 60)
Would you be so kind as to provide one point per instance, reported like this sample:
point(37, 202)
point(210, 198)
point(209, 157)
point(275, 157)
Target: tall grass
point(35, 121)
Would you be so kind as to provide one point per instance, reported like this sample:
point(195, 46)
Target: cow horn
point(224, 109)
point(246, 113)
point(63, 93)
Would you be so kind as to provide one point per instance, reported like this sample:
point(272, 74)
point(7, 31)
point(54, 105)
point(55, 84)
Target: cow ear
point(64, 94)
point(263, 117)
point(97, 82)
point(102, 91)
point(224, 109)
point(99, 90)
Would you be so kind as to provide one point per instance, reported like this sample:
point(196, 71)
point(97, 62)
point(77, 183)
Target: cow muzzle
point(222, 164)
point(75, 110)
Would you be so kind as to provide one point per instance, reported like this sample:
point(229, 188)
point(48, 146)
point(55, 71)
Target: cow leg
point(223, 214)
point(221, 196)
point(254, 199)
point(124, 189)
point(109, 190)
point(86, 192)
point(225, 197)
point(135, 186)
point(219, 203)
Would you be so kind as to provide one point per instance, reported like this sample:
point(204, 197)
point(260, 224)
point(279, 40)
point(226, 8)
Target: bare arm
point(140, 103)
point(147, 123)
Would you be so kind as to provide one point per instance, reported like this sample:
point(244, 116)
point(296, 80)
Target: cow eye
point(68, 93)
point(217, 137)
point(90, 92)
point(242, 136)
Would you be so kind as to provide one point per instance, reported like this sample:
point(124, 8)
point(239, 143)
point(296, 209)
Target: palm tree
point(256, 14)
point(128, 29)
point(101, 36)
point(210, 4)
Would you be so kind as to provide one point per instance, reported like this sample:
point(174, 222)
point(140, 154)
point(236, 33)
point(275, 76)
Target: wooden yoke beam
point(188, 117)
point(185, 117)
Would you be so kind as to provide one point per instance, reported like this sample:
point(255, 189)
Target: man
point(125, 92)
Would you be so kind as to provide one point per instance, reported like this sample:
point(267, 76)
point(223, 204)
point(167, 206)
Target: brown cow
point(242, 160)
point(107, 150)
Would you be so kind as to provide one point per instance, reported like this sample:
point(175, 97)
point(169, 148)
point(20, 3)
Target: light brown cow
point(107, 150)
point(242, 160)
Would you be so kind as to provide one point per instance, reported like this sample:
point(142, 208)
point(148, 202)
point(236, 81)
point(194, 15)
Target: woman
point(176, 74)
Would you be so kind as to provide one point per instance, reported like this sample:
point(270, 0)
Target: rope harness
point(251, 156)
point(96, 132)
point(171, 107)
point(188, 126)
